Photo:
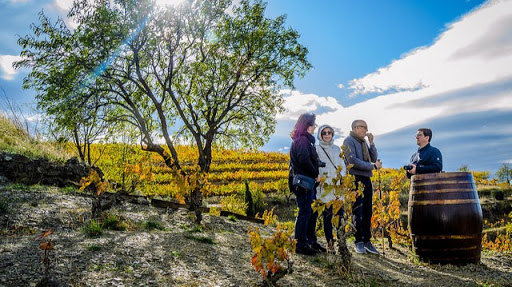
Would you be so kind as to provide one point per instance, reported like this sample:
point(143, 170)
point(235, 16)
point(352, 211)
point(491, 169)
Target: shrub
point(93, 229)
point(94, 247)
point(234, 203)
point(270, 253)
point(200, 238)
point(258, 199)
point(113, 221)
point(151, 225)
point(498, 194)
point(4, 205)
point(215, 211)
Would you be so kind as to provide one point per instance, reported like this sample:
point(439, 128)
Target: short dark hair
point(426, 132)
point(302, 125)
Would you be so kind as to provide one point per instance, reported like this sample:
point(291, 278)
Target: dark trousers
point(304, 217)
point(327, 215)
point(362, 210)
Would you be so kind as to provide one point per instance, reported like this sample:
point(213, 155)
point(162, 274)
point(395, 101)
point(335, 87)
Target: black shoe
point(305, 250)
point(318, 248)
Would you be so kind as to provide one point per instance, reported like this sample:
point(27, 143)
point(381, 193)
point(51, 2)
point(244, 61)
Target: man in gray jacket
point(363, 157)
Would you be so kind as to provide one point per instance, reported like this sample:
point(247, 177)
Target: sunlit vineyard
point(127, 165)
point(265, 171)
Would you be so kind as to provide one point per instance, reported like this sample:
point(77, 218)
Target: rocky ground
point(180, 254)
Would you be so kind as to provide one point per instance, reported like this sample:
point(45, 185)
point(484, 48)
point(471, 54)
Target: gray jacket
point(354, 155)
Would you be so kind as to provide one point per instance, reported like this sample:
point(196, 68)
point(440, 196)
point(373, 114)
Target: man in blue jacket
point(427, 159)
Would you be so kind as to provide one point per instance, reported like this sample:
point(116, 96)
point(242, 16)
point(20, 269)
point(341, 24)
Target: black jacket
point(304, 157)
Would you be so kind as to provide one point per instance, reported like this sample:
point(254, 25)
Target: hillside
point(15, 139)
point(176, 253)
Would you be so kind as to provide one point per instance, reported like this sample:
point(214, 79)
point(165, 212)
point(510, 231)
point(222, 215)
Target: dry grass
point(15, 139)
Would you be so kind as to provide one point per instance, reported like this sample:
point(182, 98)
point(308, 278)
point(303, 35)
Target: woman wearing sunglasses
point(329, 153)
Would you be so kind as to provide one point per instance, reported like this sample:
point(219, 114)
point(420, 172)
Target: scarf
point(366, 153)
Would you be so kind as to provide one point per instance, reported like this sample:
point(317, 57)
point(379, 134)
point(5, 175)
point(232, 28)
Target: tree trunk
point(195, 204)
point(77, 145)
point(345, 256)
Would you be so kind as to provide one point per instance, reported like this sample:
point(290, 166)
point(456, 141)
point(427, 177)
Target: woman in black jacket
point(304, 161)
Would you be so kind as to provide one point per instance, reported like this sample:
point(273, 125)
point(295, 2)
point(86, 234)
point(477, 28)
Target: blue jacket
point(304, 157)
point(427, 159)
point(354, 155)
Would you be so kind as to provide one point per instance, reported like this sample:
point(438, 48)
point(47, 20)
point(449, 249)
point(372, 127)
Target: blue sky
point(400, 65)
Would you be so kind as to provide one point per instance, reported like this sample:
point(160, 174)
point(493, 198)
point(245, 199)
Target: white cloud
point(297, 103)
point(476, 49)
point(467, 69)
point(341, 86)
point(63, 5)
point(8, 72)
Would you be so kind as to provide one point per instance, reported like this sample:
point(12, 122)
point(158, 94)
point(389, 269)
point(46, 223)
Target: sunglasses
point(326, 133)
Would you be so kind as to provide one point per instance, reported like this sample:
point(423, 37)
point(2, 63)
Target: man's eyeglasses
point(326, 133)
point(364, 127)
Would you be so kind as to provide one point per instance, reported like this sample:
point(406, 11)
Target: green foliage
point(151, 225)
point(4, 205)
point(69, 190)
point(463, 168)
point(196, 228)
point(94, 248)
point(112, 221)
point(216, 80)
point(200, 238)
point(504, 173)
point(93, 229)
point(495, 191)
point(248, 199)
point(258, 199)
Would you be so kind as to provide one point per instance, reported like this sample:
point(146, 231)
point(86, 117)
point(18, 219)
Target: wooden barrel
point(445, 218)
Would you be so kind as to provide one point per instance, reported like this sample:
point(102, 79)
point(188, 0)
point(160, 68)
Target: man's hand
point(378, 164)
point(370, 138)
point(413, 169)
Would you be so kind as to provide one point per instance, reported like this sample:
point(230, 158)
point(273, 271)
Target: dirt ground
point(218, 254)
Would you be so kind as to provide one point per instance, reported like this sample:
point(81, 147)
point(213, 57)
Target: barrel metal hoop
point(443, 202)
point(445, 236)
point(443, 191)
point(448, 249)
point(427, 183)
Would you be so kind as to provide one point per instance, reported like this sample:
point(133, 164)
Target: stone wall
point(21, 169)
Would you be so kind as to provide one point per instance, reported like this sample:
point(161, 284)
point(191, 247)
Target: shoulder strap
point(328, 156)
